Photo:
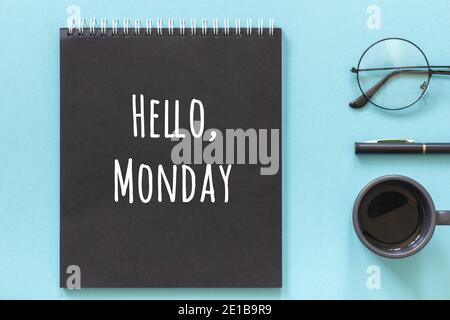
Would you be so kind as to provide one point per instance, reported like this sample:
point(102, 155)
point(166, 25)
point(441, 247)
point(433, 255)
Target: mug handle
point(443, 217)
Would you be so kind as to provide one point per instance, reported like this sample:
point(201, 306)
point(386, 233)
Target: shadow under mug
point(395, 217)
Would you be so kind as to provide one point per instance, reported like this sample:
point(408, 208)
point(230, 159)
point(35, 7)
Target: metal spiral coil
point(159, 29)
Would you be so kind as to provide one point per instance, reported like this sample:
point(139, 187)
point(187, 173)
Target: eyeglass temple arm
point(441, 72)
point(363, 99)
point(355, 70)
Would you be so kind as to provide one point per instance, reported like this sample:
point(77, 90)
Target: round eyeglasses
point(394, 74)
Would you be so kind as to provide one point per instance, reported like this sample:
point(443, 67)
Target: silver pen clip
point(391, 141)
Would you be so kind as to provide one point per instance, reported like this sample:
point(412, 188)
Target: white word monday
point(165, 186)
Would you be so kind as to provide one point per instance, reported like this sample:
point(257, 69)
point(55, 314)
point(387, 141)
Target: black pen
point(398, 146)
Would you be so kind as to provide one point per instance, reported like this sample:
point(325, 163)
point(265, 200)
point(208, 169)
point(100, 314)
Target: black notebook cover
point(162, 240)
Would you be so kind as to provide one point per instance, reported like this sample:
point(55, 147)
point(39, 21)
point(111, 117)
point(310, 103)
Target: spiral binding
point(149, 30)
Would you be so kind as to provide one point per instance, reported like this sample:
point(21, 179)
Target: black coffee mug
point(394, 216)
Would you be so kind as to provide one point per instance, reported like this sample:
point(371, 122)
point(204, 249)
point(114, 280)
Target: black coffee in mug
point(394, 216)
point(391, 217)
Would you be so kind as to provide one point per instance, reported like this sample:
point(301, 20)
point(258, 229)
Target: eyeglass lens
point(404, 82)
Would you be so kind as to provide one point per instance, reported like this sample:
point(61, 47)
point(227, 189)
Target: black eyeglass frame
point(366, 96)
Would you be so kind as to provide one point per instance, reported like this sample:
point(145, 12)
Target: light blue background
point(322, 256)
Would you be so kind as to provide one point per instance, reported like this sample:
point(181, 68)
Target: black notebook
point(170, 155)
